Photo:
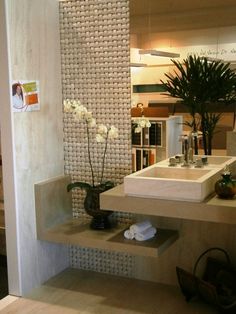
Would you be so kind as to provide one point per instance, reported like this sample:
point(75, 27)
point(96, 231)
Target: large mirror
point(179, 29)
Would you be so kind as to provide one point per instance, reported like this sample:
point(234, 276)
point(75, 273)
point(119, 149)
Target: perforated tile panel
point(95, 70)
point(120, 264)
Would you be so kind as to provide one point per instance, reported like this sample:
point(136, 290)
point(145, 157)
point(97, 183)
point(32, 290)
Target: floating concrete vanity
point(56, 224)
point(213, 209)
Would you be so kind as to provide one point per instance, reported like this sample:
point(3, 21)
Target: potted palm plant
point(203, 86)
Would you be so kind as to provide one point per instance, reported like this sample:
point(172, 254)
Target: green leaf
point(81, 185)
point(203, 87)
point(107, 185)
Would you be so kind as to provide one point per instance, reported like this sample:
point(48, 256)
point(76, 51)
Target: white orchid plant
point(103, 135)
point(140, 123)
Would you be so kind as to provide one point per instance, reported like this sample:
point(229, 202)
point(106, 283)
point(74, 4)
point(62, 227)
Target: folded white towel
point(146, 234)
point(128, 234)
point(140, 226)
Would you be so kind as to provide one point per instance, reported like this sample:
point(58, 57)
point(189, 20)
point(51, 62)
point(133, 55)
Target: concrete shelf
point(55, 224)
point(78, 233)
point(212, 210)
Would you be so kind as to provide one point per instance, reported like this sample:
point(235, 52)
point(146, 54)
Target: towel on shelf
point(128, 234)
point(146, 234)
point(140, 231)
point(140, 226)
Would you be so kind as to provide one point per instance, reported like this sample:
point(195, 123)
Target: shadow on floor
point(3, 277)
point(90, 292)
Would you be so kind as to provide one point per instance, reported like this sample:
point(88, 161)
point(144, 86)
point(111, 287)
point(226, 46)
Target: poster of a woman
point(17, 97)
point(25, 96)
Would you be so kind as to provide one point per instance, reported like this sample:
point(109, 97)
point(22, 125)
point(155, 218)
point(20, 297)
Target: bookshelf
point(156, 143)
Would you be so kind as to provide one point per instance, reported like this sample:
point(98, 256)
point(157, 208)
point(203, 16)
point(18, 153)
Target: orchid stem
point(89, 156)
point(104, 156)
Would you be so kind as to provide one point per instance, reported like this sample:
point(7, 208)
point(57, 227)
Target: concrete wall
point(34, 139)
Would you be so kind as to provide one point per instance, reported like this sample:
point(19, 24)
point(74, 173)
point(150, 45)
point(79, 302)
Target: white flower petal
point(142, 123)
point(113, 132)
point(100, 138)
point(102, 129)
point(88, 115)
point(137, 130)
point(91, 122)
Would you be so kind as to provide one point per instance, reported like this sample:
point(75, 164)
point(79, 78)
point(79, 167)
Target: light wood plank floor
point(75, 291)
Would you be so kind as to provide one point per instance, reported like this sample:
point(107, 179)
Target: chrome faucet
point(187, 148)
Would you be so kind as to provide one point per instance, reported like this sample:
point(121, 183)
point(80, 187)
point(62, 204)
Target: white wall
point(36, 139)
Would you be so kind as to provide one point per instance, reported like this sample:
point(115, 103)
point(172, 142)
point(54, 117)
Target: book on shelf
point(146, 136)
point(136, 138)
point(155, 134)
point(142, 158)
point(139, 159)
point(152, 156)
point(145, 158)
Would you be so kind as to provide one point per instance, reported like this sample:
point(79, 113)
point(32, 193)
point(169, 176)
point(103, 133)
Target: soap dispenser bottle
point(226, 186)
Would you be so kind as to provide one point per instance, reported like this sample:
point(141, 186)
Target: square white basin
point(177, 183)
point(172, 173)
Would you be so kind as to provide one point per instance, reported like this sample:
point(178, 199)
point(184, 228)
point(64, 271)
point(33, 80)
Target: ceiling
point(169, 15)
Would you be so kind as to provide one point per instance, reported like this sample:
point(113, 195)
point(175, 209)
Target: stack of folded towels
point(140, 231)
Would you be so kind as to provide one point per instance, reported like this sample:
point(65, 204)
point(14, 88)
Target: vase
point(100, 218)
point(226, 186)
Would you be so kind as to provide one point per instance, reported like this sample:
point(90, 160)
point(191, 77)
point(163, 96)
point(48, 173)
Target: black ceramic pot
point(100, 218)
point(225, 187)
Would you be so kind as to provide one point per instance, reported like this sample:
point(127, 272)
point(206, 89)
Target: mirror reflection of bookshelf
point(137, 138)
point(153, 135)
point(142, 158)
point(156, 143)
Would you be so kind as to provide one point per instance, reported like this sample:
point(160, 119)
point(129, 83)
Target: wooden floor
point(85, 292)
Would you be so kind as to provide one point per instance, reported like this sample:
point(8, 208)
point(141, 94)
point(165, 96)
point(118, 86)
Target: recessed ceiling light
point(138, 65)
point(159, 53)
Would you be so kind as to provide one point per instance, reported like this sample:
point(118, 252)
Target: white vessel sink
point(177, 183)
point(218, 160)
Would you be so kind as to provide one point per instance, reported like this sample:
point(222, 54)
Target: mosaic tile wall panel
point(95, 70)
point(120, 264)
